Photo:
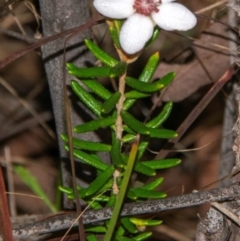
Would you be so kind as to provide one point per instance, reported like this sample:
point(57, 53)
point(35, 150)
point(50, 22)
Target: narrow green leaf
point(144, 169)
point(115, 37)
point(142, 236)
point(128, 103)
point(144, 87)
point(134, 123)
point(128, 138)
point(131, 195)
point(128, 225)
point(142, 148)
point(162, 164)
point(118, 25)
point(143, 193)
point(167, 79)
point(122, 238)
point(150, 68)
point(94, 125)
point(90, 160)
point(154, 37)
point(91, 237)
point(112, 200)
point(100, 54)
point(97, 88)
point(145, 76)
point(95, 205)
point(162, 133)
point(154, 184)
point(120, 231)
point(96, 229)
point(88, 145)
point(90, 72)
point(135, 95)
point(118, 70)
point(66, 190)
point(145, 222)
point(110, 103)
point(164, 114)
point(102, 198)
point(34, 185)
point(116, 152)
point(99, 181)
point(86, 98)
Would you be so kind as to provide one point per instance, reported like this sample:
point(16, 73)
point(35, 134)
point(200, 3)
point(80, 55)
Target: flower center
point(146, 7)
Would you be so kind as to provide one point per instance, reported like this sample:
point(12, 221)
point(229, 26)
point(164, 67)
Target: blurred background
point(27, 129)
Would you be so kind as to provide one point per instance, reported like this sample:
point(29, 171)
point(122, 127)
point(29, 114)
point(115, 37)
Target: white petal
point(135, 32)
point(116, 9)
point(167, 1)
point(174, 16)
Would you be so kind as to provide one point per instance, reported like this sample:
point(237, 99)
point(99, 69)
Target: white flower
point(142, 15)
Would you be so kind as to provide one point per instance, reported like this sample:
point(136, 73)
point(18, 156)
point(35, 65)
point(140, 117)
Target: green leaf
point(97, 88)
point(167, 79)
point(88, 145)
point(128, 138)
point(150, 87)
point(154, 37)
point(118, 25)
point(162, 133)
point(142, 236)
point(114, 32)
point(66, 190)
point(162, 163)
point(110, 103)
point(143, 193)
point(90, 160)
point(149, 68)
point(142, 148)
point(135, 95)
point(145, 222)
point(115, 37)
point(128, 225)
point(34, 185)
point(86, 98)
point(102, 198)
point(94, 125)
point(99, 182)
point(96, 229)
point(120, 231)
point(131, 195)
point(144, 87)
point(100, 54)
point(164, 114)
point(154, 184)
point(112, 200)
point(95, 205)
point(134, 124)
point(96, 72)
point(91, 237)
point(116, 152)
point(118, 70)
point(90, 72)
point(128, 103)
point(146, 170)
point(122, 238)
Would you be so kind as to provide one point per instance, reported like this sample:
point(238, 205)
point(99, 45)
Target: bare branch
point(63, 221)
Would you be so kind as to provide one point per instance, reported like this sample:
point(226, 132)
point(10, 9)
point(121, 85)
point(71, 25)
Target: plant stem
point(121, 195)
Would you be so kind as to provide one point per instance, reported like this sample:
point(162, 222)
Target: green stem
point(121, 195)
